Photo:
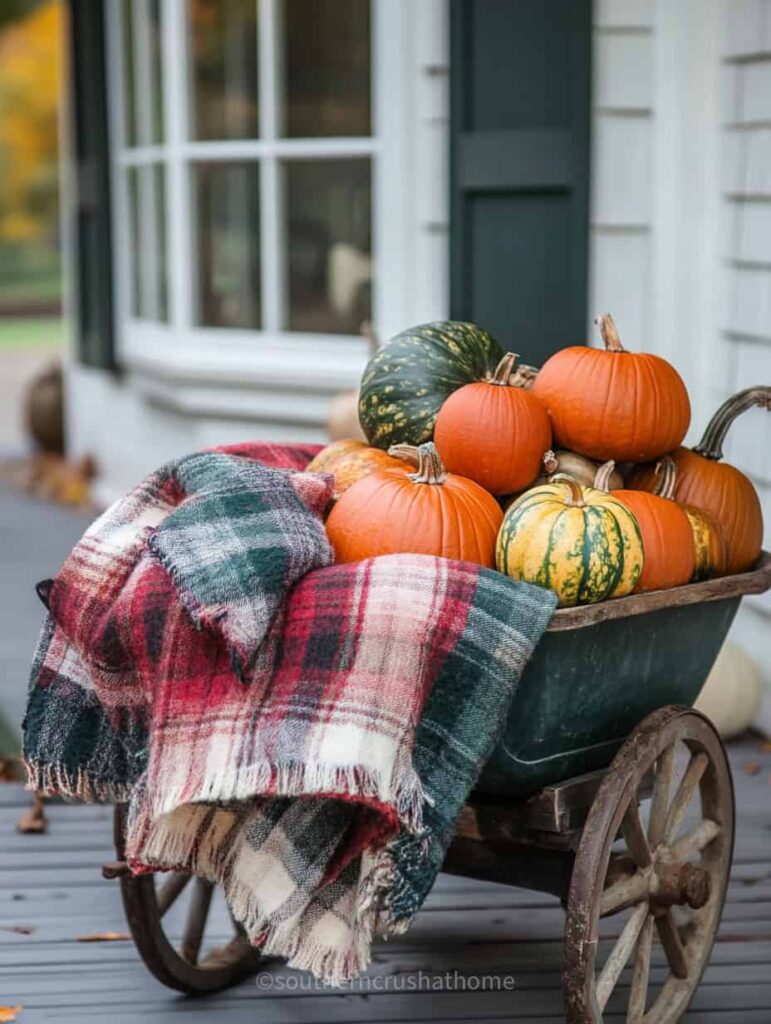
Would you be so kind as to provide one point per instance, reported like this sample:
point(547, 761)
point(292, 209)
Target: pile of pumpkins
point(571, 477)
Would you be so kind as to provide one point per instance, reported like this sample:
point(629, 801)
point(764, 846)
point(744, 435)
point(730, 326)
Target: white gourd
point(732, 693)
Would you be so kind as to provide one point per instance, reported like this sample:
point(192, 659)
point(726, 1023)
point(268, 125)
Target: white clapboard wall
point(680, 242)
point(746, 315)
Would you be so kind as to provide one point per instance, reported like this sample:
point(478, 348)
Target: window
point(244, 165)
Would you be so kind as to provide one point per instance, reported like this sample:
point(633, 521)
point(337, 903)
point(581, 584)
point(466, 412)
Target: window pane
point(329, 245)
point(327, 62)
point(223, 55)
point(227, 220)
point(142, 81)
point(147, 225)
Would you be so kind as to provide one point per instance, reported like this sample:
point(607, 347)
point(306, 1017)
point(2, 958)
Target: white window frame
point(182, 350)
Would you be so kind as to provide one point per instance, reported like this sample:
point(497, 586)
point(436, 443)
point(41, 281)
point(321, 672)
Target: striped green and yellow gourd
point(578, 541)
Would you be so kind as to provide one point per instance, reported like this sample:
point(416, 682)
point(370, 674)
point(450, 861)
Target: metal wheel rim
point(659, 732)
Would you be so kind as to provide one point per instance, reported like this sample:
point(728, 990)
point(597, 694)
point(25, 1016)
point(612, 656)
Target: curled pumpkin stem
point(711, 444)
point(576, 497)
point(603, 475)
point(609, 333)
point(666, 478)
point(430, 468)
point(504, 370)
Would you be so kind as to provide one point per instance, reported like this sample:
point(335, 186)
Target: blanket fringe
point(54, 780)
point(401, 789)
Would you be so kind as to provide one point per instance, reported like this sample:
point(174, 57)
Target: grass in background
point(31, 332)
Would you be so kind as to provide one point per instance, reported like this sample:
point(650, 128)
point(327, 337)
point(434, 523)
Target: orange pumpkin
point(494, 431)
point(667, 538)
point(613, 404)
point(349, 460)
point(428, 512)
point(709, 547)
point(718, 488)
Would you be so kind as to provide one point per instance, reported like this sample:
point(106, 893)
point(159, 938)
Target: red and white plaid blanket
point(301, 733)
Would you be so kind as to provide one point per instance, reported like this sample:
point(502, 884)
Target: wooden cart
point(590, 795)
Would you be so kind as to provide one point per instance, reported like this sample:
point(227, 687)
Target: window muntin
point(277, 223)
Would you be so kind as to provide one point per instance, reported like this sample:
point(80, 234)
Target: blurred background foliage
point(30, 78)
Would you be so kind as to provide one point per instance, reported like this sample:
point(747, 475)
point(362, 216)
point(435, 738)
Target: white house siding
point(745, 323)
point(681, 211)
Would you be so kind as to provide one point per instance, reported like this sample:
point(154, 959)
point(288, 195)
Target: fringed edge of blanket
point(297, 778)
point(54, 780)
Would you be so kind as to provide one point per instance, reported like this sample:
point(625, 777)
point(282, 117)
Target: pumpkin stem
point(430, 468)
point(576, 497)
point(711, 444)
point(504, 369)
point(609, 333)
point(523, 376)
point(550, 462)
point(603, 475)
point(666, 477)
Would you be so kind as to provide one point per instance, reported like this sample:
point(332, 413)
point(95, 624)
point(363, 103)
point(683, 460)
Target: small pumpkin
point(706, 483)
point(578, 541)
point(406, 382)
point(428, 512)
point(349, 460)
point(578, 466)
point(613, 404)
point(494, 432)
point(666, 533)
point(709, 547)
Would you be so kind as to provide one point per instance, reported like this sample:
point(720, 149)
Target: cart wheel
point(146, 901)
point(667, 876)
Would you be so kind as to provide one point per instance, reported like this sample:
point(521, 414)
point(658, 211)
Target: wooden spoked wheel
point(184, 965)
point(664, 866)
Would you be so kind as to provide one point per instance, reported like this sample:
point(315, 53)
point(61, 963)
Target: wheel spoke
point(625, 892)
point(620, 954)
point(696, 840)
point(685, 791)
point(660, 801)
point(196, 920)
point(635, 837)
point(640, 973)
point(672, 943)
point(169, 891)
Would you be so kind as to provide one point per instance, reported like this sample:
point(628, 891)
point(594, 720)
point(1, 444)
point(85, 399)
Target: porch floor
point(51, 892)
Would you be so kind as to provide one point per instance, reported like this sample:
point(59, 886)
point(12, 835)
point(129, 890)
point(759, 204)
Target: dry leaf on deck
point(8, 1013)
point(33, 820)
point(104, 937)
point(18, 929)
point(751, 768)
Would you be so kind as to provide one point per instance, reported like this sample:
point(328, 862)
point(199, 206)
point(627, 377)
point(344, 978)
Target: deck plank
point(51, 885)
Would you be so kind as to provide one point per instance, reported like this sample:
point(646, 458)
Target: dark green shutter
point(91, 151)
point(520, 116)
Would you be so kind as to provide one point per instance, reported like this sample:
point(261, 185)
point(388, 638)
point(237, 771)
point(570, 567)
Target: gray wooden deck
point(51, 892)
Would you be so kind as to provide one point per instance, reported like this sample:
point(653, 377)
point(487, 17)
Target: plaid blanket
point(301, 733)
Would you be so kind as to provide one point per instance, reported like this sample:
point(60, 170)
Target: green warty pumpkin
point(407, 381)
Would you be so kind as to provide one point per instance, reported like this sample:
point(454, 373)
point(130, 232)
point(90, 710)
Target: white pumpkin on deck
point(732, 693)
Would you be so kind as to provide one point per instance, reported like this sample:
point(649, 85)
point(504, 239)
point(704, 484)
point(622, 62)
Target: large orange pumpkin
point(716, 487)
point(613, 404)
point(494, 431)
point(349, 460)
point(428, 512)
point(667, 538)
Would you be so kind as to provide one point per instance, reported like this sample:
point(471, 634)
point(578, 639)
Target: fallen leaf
point(104, 937)
point(8, 771)
point(751, 768)
point(8, 1013)
point(34, 820)
point(18, 929)
point(765, 746)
